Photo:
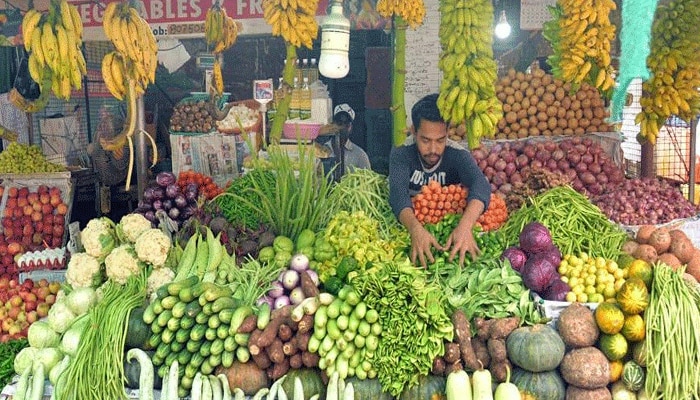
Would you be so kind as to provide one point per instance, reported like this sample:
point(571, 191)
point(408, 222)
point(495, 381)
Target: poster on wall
point(10, 21)
point(183, 19)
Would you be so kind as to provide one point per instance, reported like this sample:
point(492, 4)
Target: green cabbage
point(24, 359)
point(80, 300)
point(40, 335)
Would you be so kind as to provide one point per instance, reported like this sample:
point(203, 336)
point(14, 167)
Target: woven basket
point(253, 105)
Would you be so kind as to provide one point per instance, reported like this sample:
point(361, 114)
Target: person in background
point(428, 155)
point(353, 155)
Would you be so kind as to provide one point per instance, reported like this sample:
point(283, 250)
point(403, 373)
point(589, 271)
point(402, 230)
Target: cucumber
point(222, 331)
point(333, 310)
point(223, 303)
point(214, 321)
point(197, 360)
point(191, 372)
point(205, 349)
point(156, 329)
point(174, 288)
point(206, 368)
point(167, 336)
point(201, 318)
point(173, 324)
point(239, 315)
point(169, 302)
point(175, 347)
point(157, 307)
point(186, 323)
point(226, 314)
point(230, 344)
point(149, 315)
point(154, 340)
point(241, 338)
point(193, 309)
point(172, 357)
point(184, 358)
point(242, 354)
point(227, 358)
point(182, 335)
point(214, 360)
point(264, 313)
point(179, 309)
point(162, 292)
point(211, 294)
point(197, 333)
point(210, 334)
point(217, 346)
point(193, 346)
point(164, 317)
point(207, 308)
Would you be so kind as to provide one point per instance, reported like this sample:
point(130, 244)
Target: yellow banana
point(77, 22)
point(109, 19)
point(36, 70)
point(37, 49)
point(49, 46)
point(30, 22)
point(66, 18)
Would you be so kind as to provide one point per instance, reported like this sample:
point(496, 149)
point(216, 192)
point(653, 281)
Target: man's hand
point(422, 243)
point(461, 241)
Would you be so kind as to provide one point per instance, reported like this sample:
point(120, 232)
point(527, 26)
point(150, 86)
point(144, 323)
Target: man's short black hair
point(342, 118)
point(426, 109)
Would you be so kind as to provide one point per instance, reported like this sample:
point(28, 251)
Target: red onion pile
point(166, 195)
point(581, 159)
point(645, 201)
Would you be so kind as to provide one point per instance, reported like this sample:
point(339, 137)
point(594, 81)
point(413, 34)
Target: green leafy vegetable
point(8, 351)
point(242, 213)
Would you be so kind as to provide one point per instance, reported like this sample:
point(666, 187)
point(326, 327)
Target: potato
point(577, 326)
point(670, 260)
point(586, 368)
point(630, 247)
point(683, 249)
point(643, 233)
point(646, 252)
point(693, 267)
point(660, 239)
point(576, 393)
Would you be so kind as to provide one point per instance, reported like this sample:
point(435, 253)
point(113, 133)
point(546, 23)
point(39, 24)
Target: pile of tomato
point(435, 200)
point(495, 215)
point(205, 184)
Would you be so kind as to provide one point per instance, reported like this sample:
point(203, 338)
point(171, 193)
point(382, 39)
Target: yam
point(438, 366)
point(284, 332)
point(278, 369)
point(586, 368)
point(577, 326)
point(693, 267)
point(261, 360)
point(497, 350)
point(646, 252)
point(483, 327)
point(577, 393)
point(481, 351)
point(455, 366)
point(502, 327)
point(461, 325)
point(302, 341)
point(290, 348)
point(683, 249)
point(295, 361)
point(630, 247)
point(660, 239)
point(309, 359)
point(249, 324)
point(643, 233)
point(306, 324)
point(308, 286)
point(670, 260)
point(452, 352)
point(275, 351)
point(500, 370)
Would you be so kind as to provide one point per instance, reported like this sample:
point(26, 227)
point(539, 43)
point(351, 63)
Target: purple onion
point(150, 215)
point(163, 179)
point(174, 213)
point(180, 201)
point(157, 204)
point(167, 204)
point(172, 190)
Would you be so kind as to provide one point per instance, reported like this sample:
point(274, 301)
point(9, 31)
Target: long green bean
point(576, 224)
point(673, 337)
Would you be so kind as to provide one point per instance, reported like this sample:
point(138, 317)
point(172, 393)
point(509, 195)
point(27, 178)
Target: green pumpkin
point(310, 380)
point(536, 348)
point(613, 346)
point(632, 376)
point(368, 389)
point(137, 332)
point(429, 387)
point(539, 385)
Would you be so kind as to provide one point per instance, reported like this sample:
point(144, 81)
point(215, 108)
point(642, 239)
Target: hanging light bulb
point(503, 28)
point(335, 43)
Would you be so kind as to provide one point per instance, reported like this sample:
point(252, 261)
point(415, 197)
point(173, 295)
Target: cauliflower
point(98, 237)
point(152, 246)
point(83, 270)
point(158, 278)
point(131, 226)
point(122, 263)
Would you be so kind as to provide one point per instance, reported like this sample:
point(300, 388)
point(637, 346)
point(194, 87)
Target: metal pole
point(693, 145)
point(140, 149)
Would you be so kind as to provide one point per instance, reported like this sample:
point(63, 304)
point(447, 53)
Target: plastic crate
point(49, 275)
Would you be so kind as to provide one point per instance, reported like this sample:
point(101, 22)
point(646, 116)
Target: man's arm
point(422, 242)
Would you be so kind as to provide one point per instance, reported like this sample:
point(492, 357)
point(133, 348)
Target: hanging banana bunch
point(674, 61)
point(127, 71)
point(294, 20)
point(468, 91)
point(412, 11)
point(580, 33)
point(220, 30)
point(54, 39)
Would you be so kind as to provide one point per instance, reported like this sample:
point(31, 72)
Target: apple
point(14, 329)
point(62, 209)
point(28, 296)
point(14, 248)
point(13, 283)
point(42, 189)
point(54, 287)
point(47, 209)
point(44, 198)
point(17, 212)
point(42, 292)
point(37, 216)
point(23, 192)
point(28, 283)
point(55, 200)
point(11, 203)
point(12, 192)
point(28, 230)
point(50, 299)
point(37, 238)
point(13, 313)
point(33, 197)
point(56, 241)
point(43, 282)
point(22, 201)
point(5, 325)
point(15, 300)
point(42, 309)
point(30, 306)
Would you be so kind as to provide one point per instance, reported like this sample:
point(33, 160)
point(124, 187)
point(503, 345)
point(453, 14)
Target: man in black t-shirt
point(429, 155)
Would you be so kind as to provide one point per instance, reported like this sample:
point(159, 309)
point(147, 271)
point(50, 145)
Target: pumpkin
point(639, 353)
point(625, 260)
point(137, 331)
point(367, 389)
point(634, 328)
point(632, 376)
point(642, 270)
point(539, 385)
point(536, 348)
point(633, 296)
point(615, 370)
point(310, 379)
point(429, 387)
point(609, 318)
point(613, 346)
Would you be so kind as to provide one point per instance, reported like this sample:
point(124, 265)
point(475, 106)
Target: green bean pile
point(97, 371)
point(241, 213)
point(576, 224)
point(365, 190)
point(673, 337)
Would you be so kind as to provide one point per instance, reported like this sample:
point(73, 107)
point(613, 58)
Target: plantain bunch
point(54, 39)
point(674, 61)
point(294, 20)
point(136, 51)
point(220, 30)
point(467, 91)
point(580, 33)
point(412, 11)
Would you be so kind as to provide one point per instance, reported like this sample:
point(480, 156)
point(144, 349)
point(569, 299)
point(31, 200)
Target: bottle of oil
point(272, 105)
point(295, 103)
point(305, 100)
point(313, 72)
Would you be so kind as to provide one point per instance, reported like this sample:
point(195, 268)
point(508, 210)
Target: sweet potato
point(275, 351)
point(284, 332)
point(310, 360)
point(502, 327)
point(249, 324)
point(295, 361)
point(306, 324)
point(455, 366)
point(308, 287)
point(452, 352)
point(438, 366)
point(630, 247)
point(290, 347)
point(302, 340)
point(683, 250)
point(643, 233)
point(268, 335)
point(693, 267)
point(278, 369)
point(497, 350)
point(261, 360)
point(482, 353)
point(469, 357)
point(499, 370)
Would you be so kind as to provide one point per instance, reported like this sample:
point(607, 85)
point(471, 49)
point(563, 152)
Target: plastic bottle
point(313, 72)
point(295, 103)
point(305, 100)
point(272, 105)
